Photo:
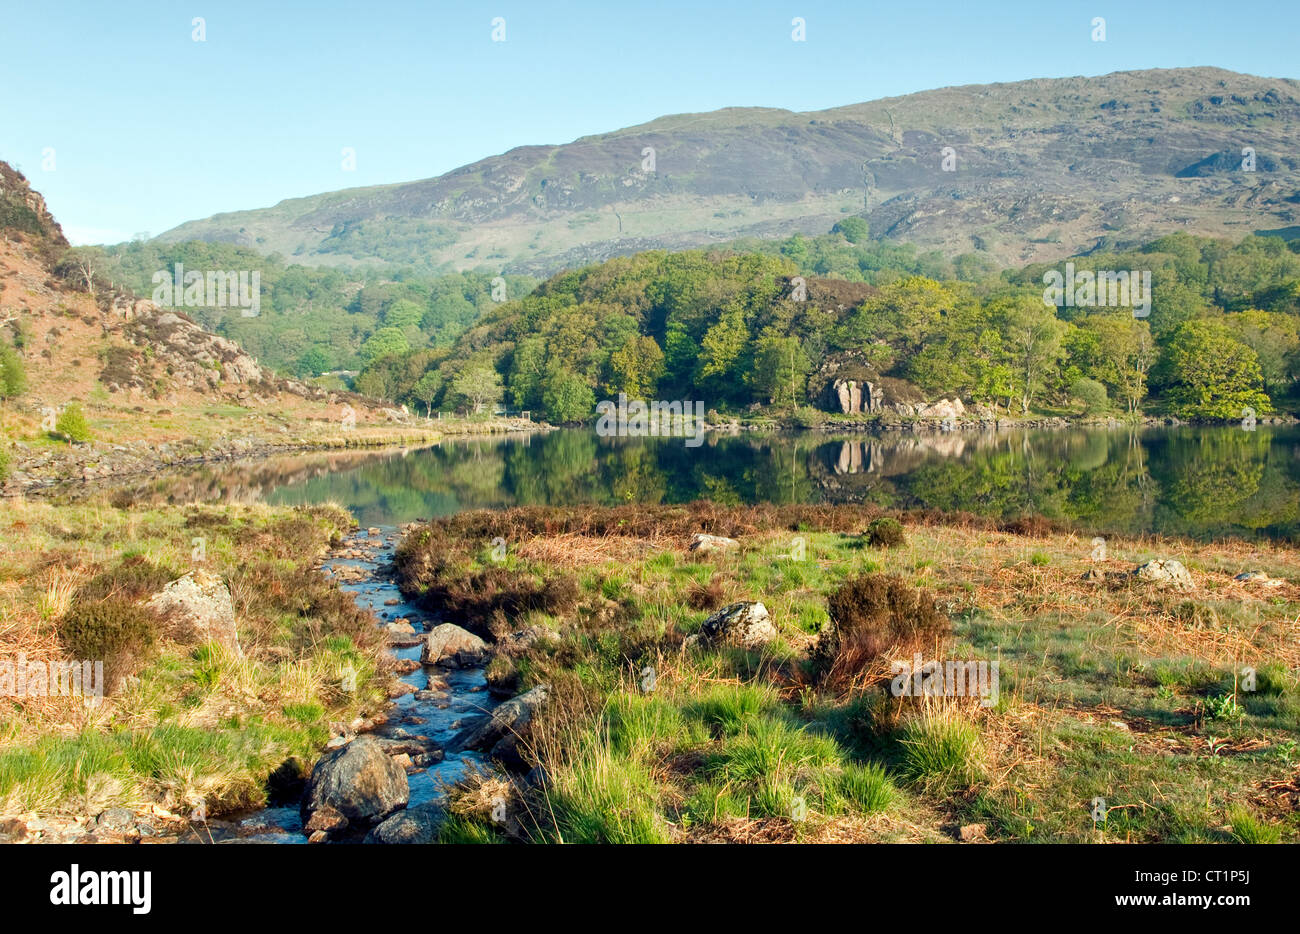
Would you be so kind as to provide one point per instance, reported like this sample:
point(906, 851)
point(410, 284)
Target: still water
point(1202, 482)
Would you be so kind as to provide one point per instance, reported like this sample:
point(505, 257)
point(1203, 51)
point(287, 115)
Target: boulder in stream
point(353, 788)
point(453, 646)
point(504, 726)
point(419, 824)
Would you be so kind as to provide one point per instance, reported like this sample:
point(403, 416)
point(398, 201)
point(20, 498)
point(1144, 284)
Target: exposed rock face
point(703, 542)
point(419, 824)
point(199, 607)
point(846, 383)
point(1166, 573)
point(353, 788)
point(499, 733)
point(744, 624)
point(454, 647)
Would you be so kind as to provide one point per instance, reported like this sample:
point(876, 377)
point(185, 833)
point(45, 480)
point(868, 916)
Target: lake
point(1200, 482)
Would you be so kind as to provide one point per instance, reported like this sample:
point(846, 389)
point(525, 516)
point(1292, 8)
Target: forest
point(745, 327)
point(734, 329)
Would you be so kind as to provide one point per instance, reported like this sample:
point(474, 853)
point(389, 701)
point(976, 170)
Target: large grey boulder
point(199, 608)
point(419, 824)
point(454, 647)
point(746, 624)
point(353, 788)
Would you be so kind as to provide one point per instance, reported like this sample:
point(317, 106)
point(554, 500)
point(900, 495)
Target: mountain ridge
point(1043, 168)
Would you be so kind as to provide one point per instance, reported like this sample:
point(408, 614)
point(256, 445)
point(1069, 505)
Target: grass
point(188, 722)
point(1110, 688)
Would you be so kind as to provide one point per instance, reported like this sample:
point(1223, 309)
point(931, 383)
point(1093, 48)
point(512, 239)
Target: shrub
point(705, 596)
point(115, 631)
point(72, 424)
point(870, 615)
point(885, 533)
point(13, 377)
point(1091, 393)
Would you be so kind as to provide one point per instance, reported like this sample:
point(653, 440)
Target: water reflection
point(1206, 482)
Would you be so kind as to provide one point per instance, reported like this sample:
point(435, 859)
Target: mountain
point(1042, 169)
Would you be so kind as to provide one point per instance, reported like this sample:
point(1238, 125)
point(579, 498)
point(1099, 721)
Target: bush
point(13, 377)
point(885, 533)
point(871, 615)
point(115, 631)
point(72, 424)
point(1091, 393)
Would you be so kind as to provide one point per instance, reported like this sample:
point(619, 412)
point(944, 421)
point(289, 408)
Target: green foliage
point(1211, 374)
point(331, 309)
point(13, 376)
point(567, 397)
point(854, 229)
point(72, 424)
point(478, 387)
point(1091, 393)
point(386, 342)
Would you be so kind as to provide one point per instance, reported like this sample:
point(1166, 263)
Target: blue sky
point(150, 128)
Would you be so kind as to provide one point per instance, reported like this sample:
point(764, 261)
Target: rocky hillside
point(155, 386)
point(1041, 170)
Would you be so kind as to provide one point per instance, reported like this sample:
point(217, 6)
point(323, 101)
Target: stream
point(437, 707)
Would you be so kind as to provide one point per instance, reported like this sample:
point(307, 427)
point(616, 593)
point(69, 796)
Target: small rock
point(1258, 577)
point(706, 543)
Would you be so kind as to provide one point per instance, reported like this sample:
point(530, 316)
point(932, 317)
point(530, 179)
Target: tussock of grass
point(942, 750)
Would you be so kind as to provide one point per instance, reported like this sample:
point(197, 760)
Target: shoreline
point(83, 464)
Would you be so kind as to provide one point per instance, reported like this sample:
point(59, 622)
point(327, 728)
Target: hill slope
point(155, 386)
point(1044, 169)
